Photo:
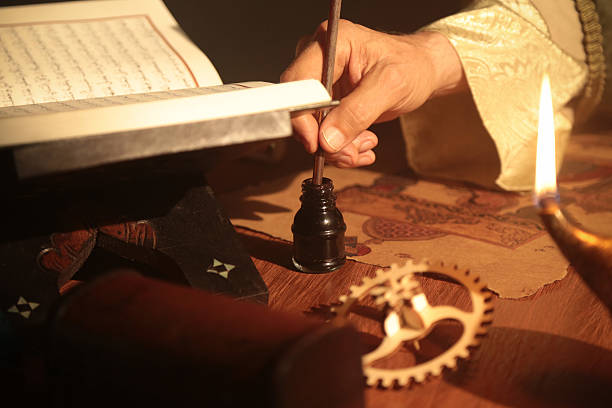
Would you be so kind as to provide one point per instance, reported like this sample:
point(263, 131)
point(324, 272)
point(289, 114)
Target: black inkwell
point(318, 229)
point(318, 226)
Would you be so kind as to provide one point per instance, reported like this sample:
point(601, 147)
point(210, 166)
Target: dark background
point(255, 40)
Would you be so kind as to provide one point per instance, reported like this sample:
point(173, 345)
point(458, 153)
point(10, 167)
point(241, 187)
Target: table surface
point(553, 348)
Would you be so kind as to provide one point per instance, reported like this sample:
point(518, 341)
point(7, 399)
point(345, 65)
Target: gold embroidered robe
point(489, 136)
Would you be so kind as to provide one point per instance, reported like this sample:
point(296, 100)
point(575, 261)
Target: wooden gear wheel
point(409, 317)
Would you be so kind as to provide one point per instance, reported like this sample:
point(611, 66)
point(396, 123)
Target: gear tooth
point(452, 364)
point(475, 342)
point(371, 381)
point(419, 377)
point(343, 298)
point(436, 371)
point(387, 382)
point(481, 331)
point(465, 353)
point(487, 318)
point(484, 326)
point(403, 381)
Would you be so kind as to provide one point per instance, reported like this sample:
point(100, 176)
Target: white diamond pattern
point(23, 307)
point(220, 268)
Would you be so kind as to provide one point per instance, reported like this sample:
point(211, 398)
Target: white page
point(92, 103)
point(89, 49)
point(24, 129)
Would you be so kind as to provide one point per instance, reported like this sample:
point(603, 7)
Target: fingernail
point(334, 138)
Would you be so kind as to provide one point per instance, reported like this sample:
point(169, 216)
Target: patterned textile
point(498, 235)
point(505, 49)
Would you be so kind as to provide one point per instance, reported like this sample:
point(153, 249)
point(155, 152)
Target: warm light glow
point(419, 302)
point(392, 324)
point(546, 168)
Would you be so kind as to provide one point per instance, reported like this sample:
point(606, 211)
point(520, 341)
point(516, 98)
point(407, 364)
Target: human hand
point(377, 77)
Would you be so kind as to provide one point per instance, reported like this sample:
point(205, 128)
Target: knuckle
point(321, 30)
point(286, 76)
point(356, 116)
point(345, 158)
point(302, 44)
point(344, 24)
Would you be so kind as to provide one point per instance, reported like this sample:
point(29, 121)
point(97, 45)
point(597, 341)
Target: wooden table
point(551, 349)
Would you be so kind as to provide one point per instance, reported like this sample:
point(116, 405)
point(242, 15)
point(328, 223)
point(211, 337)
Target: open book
point(110, 74)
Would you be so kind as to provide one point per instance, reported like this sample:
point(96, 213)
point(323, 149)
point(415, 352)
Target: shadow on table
point(249, 209)
point(512, 367)
point(522, 368)
point(263, 247)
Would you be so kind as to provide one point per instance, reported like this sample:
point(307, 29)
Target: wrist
point(446, 68)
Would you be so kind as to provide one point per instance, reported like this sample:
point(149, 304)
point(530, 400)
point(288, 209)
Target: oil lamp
point(589, 254)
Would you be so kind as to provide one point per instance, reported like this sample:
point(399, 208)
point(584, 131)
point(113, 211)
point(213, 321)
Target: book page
point(122, 117)
point(90, 103)
point(91, 49)
point(241, 100)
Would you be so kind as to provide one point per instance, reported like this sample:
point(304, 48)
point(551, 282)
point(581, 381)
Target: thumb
point(356, 112)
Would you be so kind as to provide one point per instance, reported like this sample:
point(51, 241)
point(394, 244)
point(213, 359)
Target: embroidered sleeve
point(505, 48)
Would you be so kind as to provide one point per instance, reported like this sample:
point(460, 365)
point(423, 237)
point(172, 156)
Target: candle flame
point(546, 168)
point(392, 324)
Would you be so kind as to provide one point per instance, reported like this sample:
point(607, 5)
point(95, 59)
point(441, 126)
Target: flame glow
point(546, 168)
point(392, 324)
point(419, 302)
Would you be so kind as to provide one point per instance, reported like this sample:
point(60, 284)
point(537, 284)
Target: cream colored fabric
point(564, 25)
point(505, 47)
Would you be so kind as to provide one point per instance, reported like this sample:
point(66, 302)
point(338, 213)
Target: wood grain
point(551, 349)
